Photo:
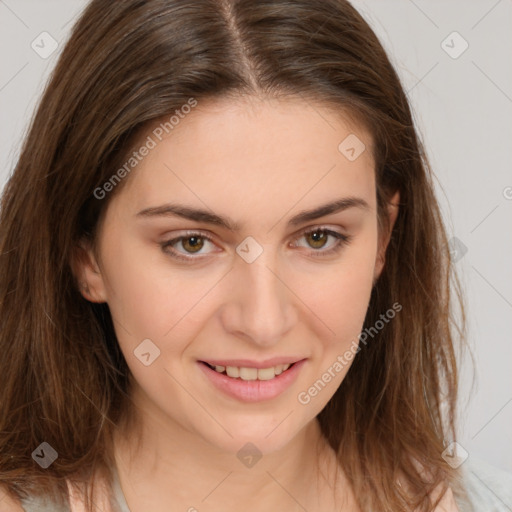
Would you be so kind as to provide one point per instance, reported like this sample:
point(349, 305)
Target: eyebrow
point(200, 215)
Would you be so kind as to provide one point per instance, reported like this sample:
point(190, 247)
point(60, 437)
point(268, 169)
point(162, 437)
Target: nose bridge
point(261, 304)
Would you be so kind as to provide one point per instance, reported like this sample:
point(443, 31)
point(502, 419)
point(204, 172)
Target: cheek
point(341, 297)
point(147, 296)
point(342, 307)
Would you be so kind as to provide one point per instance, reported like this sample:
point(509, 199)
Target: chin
point(263, 434)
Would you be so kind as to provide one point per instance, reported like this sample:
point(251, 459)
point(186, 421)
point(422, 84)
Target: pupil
point(318, 239)
point(193, 243)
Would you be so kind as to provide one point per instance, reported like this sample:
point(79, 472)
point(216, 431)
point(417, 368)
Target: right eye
point(191, 243)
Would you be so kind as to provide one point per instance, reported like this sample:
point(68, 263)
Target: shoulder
point(447, 503)
point(9, 503)
point(74, 502)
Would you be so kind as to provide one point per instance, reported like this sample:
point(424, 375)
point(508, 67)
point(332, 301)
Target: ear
point(385, 236)
point(87, 272)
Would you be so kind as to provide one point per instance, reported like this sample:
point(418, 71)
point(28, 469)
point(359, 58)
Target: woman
point(225, 280)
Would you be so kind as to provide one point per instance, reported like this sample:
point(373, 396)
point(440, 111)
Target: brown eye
point(192, 243)
point(317, 239)
point(189, 247)
point(322, 241)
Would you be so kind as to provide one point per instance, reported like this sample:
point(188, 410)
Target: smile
point(249, 384)
point(244, 373)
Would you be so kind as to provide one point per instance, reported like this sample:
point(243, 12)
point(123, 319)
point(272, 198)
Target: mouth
point(247, 381)
point(250, 373)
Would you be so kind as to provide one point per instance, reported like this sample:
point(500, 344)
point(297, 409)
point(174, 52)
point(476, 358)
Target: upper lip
point(247, 363)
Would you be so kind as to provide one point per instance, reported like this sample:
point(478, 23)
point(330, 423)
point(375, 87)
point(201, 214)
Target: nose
point(260, 305)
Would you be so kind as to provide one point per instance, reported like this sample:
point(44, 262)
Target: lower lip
point(253, 390)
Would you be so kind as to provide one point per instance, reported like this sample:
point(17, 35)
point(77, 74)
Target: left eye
point(317, 239)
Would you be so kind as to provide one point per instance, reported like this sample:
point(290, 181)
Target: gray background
point(463, 110)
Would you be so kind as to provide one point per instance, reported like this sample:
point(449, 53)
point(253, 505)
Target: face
point(237, 262)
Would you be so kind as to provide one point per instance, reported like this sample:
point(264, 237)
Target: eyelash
point(341, 241)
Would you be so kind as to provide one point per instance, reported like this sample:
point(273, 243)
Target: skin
point(259, 163)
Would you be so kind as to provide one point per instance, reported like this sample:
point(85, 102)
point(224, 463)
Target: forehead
point(248, 151)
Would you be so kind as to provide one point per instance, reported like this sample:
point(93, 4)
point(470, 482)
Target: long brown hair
point(127, 63)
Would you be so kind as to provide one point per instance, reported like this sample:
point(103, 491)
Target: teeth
point(266, 373)
point(248, 373)
point(243, 373)
point(233, 371)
